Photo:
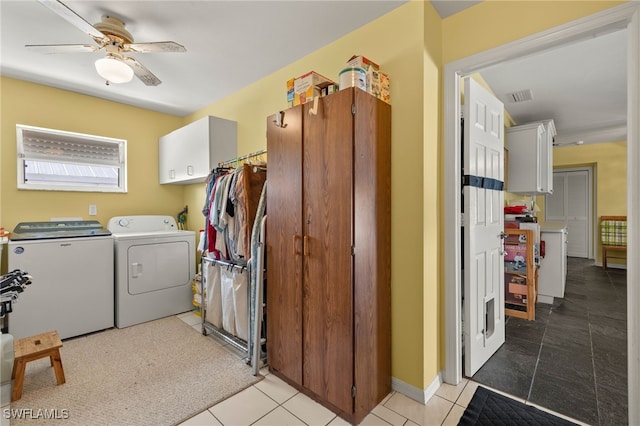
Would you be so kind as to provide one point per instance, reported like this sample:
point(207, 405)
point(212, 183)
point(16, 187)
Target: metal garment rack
point(251, 348)
point(207, 327)
point(242, 158)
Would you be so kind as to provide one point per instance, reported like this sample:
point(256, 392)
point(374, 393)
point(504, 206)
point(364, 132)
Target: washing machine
point(154, 268)
point(71, 263)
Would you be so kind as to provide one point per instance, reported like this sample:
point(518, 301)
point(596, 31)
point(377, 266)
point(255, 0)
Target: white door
point(571, 204)
point(483, 167)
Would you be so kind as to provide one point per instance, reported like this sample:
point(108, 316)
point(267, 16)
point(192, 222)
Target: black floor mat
point(488, 408)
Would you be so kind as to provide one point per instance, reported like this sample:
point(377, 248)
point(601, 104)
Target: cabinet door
point(372, 260)
point(173, 156)
point(184, 153)
point(188, 154)
point(546, 158)
point(328, 234)
point(284, 245)
point(523, 143)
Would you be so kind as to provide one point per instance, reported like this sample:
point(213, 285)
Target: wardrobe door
point(328, 234)
point(284, 245)
point(372, 260)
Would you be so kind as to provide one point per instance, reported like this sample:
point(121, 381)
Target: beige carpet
point(158, 373)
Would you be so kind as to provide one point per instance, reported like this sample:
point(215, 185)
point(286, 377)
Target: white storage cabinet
point(188, 154)
point(531, 158)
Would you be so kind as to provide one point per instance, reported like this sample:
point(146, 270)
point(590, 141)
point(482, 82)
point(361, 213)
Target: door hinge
point(353, 109)
point(353, 251)
point(353, 391)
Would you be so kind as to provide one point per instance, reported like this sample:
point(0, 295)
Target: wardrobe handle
point(295, 245)
point(305, 245)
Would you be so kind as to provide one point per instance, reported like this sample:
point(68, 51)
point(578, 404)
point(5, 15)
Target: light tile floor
point(273, 402)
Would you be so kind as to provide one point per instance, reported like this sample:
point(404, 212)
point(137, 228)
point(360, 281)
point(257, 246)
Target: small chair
point(30, 349)
point(613, 237)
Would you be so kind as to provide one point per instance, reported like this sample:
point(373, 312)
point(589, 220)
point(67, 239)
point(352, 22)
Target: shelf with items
point(520, 274)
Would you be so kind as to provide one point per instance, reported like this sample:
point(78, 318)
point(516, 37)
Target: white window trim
point(78, 138)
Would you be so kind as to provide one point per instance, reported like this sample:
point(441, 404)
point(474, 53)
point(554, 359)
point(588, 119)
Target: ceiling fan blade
point(63, 48)
point(154, 47)
point(141, 71)
point(74, 19)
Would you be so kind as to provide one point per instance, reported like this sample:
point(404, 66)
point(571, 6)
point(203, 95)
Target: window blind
point(38, 145)
point(50, 159)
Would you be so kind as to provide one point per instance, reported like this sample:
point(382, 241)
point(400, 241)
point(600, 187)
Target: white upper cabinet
point(188, 154)
point(530, 158)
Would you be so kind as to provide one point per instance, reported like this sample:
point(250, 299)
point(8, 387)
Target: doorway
point(624, 16)
point(571, 204)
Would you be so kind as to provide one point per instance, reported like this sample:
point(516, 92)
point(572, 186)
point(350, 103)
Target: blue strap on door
point(482, 182)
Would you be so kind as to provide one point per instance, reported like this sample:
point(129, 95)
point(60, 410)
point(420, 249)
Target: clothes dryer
point(154, 268)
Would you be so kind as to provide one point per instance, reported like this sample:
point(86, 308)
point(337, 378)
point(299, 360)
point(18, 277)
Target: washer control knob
point(123, 222)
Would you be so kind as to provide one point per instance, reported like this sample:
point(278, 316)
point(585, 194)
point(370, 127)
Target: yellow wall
point(397, 42)
point(412, 44)
point(609, 161)
point(432, 167)
point(41, 106)
point(496, 22)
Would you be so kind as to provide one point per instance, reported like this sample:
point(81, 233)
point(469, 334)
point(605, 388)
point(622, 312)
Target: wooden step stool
point(30, 349)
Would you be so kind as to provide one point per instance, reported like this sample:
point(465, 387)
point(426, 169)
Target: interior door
point(483, 166)
point(328, 237)
point(570, 204)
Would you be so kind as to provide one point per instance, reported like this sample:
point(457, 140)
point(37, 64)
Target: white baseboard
point(410, 391)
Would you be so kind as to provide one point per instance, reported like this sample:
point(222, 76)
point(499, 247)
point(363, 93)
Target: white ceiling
point(582, 86)
point(231, 44)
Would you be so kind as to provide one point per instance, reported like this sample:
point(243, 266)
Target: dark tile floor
point(573, 358)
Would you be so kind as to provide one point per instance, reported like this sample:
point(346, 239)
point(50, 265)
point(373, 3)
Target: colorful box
point(384, 87)
point(370, 67)
point(290, 91)
point(308, 86)
point(359, 61)
point(378, 82)
point(513, 251)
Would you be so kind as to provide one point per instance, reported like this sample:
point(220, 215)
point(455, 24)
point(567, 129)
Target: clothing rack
point(242, 158)
point(207, 327)
point(225, 263)
point(251, 348)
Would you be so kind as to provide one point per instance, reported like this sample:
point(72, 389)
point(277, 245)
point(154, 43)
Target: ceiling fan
point(112, 38)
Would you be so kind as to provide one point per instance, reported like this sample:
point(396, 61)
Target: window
point(64, 161)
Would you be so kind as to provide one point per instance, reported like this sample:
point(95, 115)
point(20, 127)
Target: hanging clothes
point(231, 208)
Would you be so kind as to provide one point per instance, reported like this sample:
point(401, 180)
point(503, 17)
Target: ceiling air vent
point(520, 96)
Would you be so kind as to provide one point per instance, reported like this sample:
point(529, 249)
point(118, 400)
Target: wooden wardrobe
point(328, 250)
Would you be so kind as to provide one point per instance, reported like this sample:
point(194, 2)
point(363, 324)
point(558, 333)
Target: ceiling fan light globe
point(113, 70)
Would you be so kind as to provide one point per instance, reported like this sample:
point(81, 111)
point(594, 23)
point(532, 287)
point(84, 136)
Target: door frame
point(624, 16)
point(591, 203)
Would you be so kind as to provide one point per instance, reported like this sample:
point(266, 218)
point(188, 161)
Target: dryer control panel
point(141, 223)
